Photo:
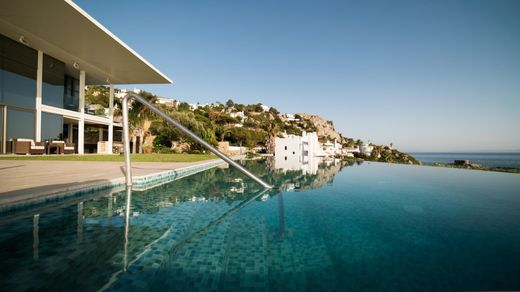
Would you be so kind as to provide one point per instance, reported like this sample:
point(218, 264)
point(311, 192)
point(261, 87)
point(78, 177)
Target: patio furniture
point(27, 146)
point(69, 148)
point(60, 147)
point(55, 147)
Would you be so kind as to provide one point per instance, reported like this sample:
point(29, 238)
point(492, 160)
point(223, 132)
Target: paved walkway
point(27, 179)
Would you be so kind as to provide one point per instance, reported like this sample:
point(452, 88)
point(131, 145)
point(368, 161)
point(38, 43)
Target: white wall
point(288, 149)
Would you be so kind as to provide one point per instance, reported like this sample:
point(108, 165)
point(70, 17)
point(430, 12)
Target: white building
point(365, 149)
point(54, 50)
point(240, 115)
point(298, 152)
point(123, 92)
point(166, 101)
point(291, 118)
point(349, 152)
point(265, 108)
point(332, 148)
point(328, 148)
point(194, 106)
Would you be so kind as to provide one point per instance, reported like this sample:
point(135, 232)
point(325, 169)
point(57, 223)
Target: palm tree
point(140, 118)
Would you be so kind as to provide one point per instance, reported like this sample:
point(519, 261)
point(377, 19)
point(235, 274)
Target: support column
point(3, 131)
point(111, 118)
point(71, 133)
point(38, 100)
point(81, 124)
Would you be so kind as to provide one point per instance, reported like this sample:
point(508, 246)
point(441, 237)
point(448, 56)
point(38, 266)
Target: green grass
point(118, 158)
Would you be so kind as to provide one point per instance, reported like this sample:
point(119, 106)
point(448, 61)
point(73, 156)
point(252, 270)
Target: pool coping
point(139, 183)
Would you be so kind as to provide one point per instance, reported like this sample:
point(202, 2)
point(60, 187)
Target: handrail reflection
point(147, 248)
point(127, 225)
point(216, 221)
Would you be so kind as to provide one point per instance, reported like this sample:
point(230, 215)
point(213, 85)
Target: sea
point(503, 159)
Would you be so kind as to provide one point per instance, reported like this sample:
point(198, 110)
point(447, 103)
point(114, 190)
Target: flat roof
point(63, 30)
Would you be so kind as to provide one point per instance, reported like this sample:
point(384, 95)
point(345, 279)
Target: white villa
point(366, 149)
point(166, 101)
point(332, 148)
point(291, 118)
point(194, 106)
point(298, 152)
point(122, 92)
point(298, 147)
point(49, 51)
point(240, 115)
point(265, 108)
point(349, 151)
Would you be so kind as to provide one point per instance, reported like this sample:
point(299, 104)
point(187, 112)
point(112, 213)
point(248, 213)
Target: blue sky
point(425, 75)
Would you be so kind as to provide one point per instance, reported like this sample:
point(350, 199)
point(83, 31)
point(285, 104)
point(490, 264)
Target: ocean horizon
point(491, 159)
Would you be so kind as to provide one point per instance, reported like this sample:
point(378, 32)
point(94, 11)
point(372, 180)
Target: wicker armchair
point(27, 146)
point(68, 148)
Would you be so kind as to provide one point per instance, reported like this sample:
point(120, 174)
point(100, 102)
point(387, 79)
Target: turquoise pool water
point(362, 227)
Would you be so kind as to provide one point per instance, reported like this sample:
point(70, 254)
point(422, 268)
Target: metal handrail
point(126, 137)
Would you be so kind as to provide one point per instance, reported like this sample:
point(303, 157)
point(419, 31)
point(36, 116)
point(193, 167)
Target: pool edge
point(140, 183)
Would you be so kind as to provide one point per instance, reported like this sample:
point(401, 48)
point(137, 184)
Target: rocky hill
point(325, 129)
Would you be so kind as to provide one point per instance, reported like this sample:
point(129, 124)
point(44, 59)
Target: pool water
point(356, 227)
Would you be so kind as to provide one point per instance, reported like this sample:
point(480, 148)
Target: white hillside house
point(366, 149)
point(124, 92)
point(239, 115)
point(166, 101)
point(291, 118)
point(297, 148)
point(297, 152)
point(265, 108)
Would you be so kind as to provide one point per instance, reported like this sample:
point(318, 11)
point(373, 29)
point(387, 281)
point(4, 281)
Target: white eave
point(61, 29)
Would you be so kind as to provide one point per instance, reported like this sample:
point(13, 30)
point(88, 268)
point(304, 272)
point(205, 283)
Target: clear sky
point(425, 75)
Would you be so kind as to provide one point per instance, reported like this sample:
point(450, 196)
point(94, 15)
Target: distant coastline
point(493, 161)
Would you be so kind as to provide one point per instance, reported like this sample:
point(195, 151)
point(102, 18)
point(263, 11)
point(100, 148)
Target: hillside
point(250, 125)
point(324, 128)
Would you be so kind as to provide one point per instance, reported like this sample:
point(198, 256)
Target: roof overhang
point(61, 29)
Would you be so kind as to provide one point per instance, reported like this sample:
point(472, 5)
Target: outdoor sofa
point(27, 146)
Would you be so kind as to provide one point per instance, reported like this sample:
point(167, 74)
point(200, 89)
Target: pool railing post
point(126, 138)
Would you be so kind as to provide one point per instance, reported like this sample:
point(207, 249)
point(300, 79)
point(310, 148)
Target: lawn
point(98, 157)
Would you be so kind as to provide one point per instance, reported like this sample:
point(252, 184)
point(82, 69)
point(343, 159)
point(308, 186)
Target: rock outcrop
point(323, 128)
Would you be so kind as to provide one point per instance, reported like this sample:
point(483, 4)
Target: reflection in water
point(309, 165)
point(298, 176)
point(36, 236)
point(217, 230)
point(100, 239)
point(109, 209)
point(281, 216)
point(128, 209)
point(79, 225)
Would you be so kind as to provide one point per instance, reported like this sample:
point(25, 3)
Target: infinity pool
point(341, 227)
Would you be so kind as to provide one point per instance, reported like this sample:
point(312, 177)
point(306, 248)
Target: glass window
point(71, 95)
point(53, 86)
point(52, 127)
point(74, 132)
point(18, 65)
point(20, 124)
